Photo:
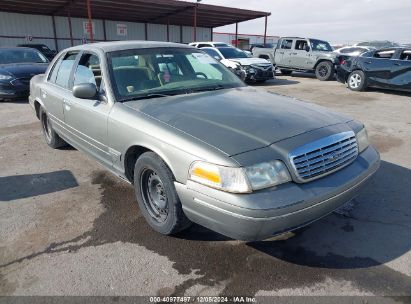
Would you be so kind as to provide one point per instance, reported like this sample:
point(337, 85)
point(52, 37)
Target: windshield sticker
point(166, 76)
point(203, 58)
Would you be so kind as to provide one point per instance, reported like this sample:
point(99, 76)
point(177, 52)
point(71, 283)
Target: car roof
point(13, 48)
point(126, 45)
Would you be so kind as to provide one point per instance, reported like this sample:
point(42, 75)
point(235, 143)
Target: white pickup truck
point(301, 54)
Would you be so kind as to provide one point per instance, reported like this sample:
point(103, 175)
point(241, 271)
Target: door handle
point(293, 53)
point(367, 62)
point(398, 64)
point(67, 104)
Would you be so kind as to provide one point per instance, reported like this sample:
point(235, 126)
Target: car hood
point(20, 70)
point(249, 61)
point(238, 120)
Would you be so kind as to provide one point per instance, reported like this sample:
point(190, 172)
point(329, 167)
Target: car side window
point(53, 72)
point(203, 45)
point(88, 70)
point(286, 44)
point(301, 45)
point(63, 75)
point(405, 55)
point(384, 54)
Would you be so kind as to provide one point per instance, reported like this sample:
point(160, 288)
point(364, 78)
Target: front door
point(300, 57)
point(379, 68)
point(87, 119)
point(401, 71)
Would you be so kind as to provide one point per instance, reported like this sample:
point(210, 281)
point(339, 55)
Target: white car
point(208, 44)
point(255, 69)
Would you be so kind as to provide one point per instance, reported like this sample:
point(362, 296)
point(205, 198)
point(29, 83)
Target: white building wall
point(16, 28)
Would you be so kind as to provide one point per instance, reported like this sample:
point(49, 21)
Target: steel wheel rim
point(154, 195)
point(47, 127)
point(323, 70)
point(355, 81)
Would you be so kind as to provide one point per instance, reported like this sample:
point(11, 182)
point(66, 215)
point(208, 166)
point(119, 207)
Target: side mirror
point(85, 91)
point(217, 58)
point(307, 48)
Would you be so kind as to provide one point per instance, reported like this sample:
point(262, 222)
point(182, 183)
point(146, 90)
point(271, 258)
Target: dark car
point(386, 68)
point(17, 66)
point(42, 48)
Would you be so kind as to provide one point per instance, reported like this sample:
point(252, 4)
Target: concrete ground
point(68, 227)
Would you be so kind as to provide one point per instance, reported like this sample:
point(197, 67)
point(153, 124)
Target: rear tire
point(357, 81)
point(286, 72)
point(157, 196)
point(50, 136)
point(324, 71)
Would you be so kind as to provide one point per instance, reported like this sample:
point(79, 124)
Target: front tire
point(50, 136)
point(357, 81)
point(157, 196)
point(324, 71)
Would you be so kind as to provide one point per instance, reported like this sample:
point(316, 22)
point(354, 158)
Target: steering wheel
point(201, 74)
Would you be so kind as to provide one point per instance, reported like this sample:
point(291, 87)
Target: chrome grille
point(324, 156)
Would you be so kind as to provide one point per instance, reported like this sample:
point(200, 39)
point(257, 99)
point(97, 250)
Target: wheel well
point(321, 60)
point(130, 158)
point(37, 108)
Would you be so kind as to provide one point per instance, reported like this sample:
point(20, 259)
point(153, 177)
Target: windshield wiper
point(148, 96)
point(211, 88)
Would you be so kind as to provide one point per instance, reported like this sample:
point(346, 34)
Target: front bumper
point(259, 74)
point(9, 91)
point(291, 205)
point(341, 74)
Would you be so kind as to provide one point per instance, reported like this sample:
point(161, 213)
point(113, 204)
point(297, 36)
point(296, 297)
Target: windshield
point(321, 46)
point(21, 56)
point(143, 73)
point(232, 53)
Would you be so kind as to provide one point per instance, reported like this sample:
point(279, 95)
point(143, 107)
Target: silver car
point(197, 143)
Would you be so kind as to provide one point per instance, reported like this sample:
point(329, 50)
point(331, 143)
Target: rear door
point(57, 85)
point(401, 73)
point(283, 52)
point(87, 119)
point(379, 67)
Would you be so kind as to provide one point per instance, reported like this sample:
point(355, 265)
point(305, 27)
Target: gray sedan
point(197, 143)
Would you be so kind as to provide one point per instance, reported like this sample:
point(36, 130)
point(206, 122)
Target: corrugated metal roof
point(152, 11)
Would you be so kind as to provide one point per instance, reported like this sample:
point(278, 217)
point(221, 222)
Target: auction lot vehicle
point(17, 66)
point(386, 68)
point(253, 69)
point(197, 143)
point(208, 44)
point(301, 54)
point(42, 48)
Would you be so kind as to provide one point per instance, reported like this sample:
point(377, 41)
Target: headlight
point(5, 77)
point(239, 180)
point(362, 140)
point(223, 178)
point(267, 174)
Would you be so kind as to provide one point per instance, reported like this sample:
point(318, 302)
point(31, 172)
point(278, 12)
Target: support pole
point(104, 30)
point(195, 22)
point(54, 33)
point(145, 31)
point(168, 29)
point(265, 30)
point(236, 34)
point(89, 20)
point(70, 28)
point(181, 34)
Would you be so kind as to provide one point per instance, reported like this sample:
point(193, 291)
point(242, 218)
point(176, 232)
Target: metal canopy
point(151, 11)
